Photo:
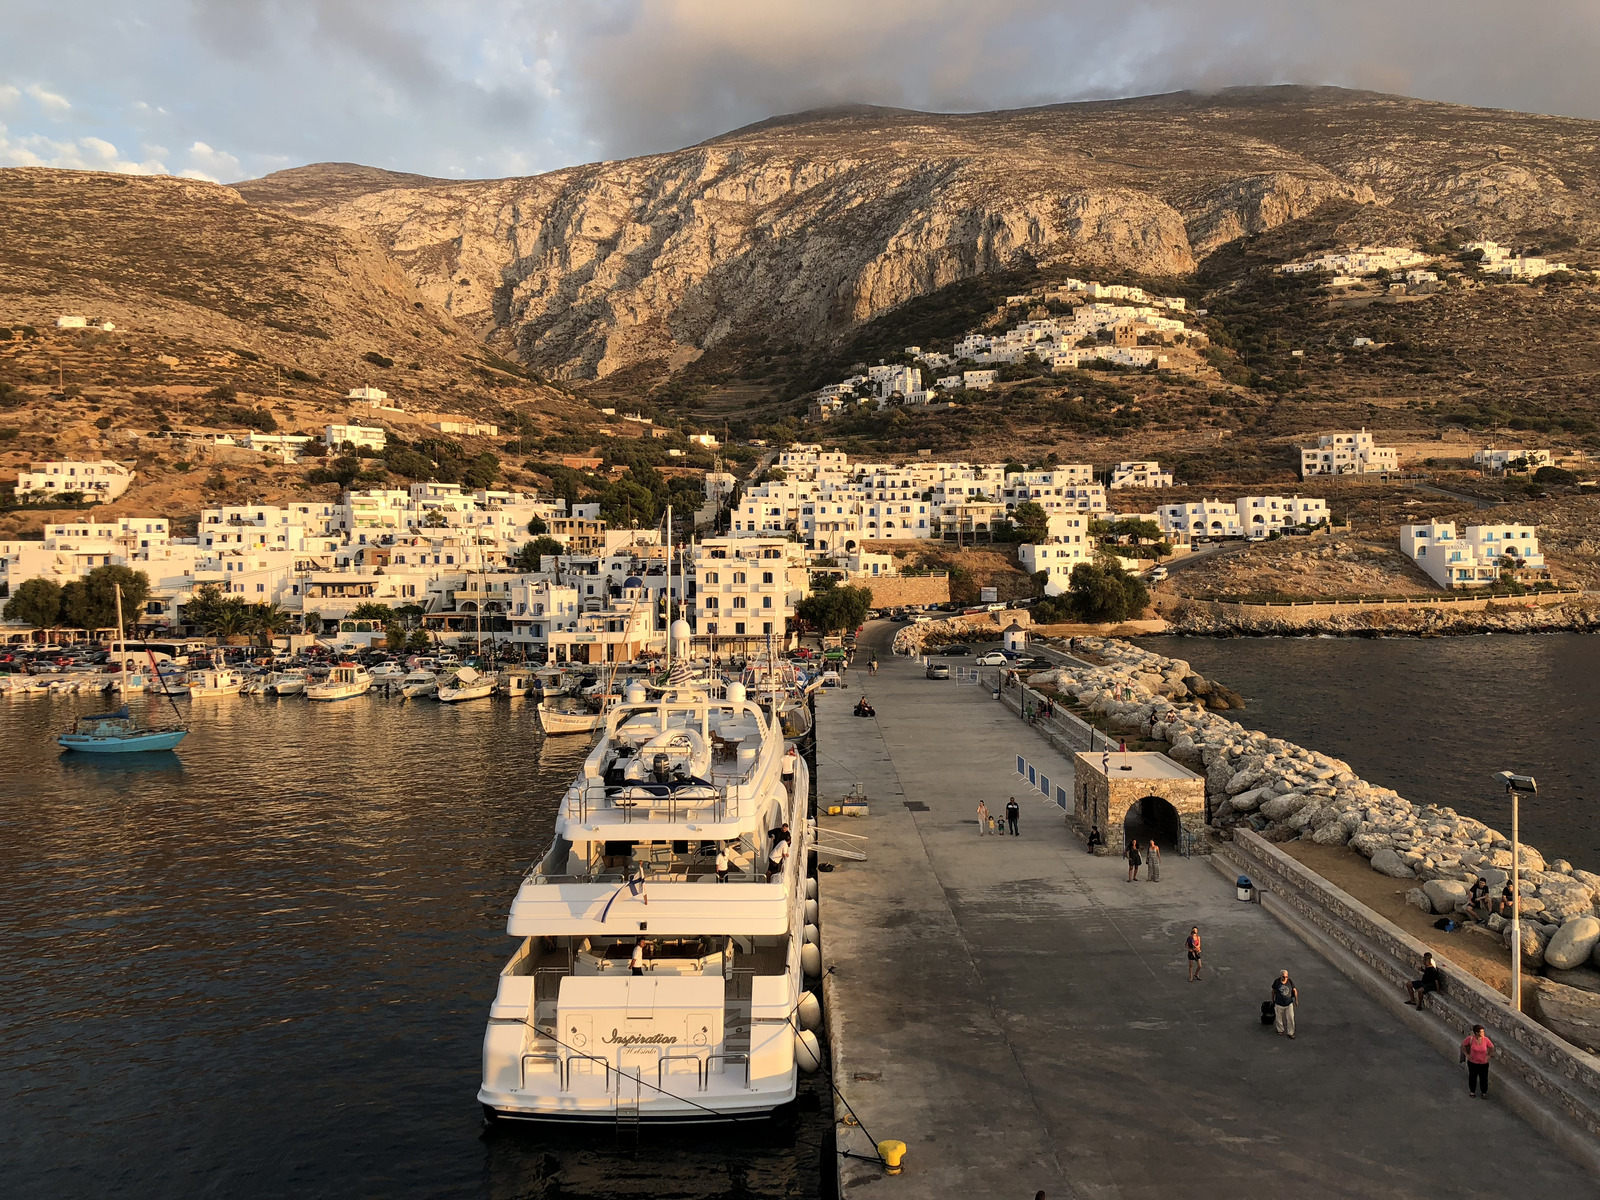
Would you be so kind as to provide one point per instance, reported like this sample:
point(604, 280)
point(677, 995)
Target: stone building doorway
point(1152, 818)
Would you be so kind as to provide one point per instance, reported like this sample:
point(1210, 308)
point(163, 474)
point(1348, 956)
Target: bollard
point(892, 1152)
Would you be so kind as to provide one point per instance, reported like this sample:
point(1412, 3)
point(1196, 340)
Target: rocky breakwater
point(1285, 791)
point(1394, 620)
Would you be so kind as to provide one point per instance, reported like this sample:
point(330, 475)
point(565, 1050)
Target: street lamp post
point(1515, 786)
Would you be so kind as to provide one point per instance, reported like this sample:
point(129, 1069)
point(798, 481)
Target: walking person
point(1134, 861)
point(636, 960)
point(1475, 1050)
point(1013, 811)
point(722, 862)
point(1192, 945)
point(1153, 862)
point(984, 820)
point(776, 858)
point(1284, 997)
point(1416, 989)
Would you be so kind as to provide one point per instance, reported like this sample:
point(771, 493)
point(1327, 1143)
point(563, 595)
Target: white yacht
point(217, 681)
point(419, 683)
point(343, 681)
point(464, 683)
point(716, 1024)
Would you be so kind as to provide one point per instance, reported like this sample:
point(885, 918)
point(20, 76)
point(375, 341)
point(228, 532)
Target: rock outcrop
point(799, 228)
point(1506, 616)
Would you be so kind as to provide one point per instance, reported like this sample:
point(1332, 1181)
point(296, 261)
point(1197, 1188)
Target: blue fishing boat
point(118, 733)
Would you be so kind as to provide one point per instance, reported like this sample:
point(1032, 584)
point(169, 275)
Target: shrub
point(377, 360)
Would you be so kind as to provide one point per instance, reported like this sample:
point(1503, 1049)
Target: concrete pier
point(1020, 1015)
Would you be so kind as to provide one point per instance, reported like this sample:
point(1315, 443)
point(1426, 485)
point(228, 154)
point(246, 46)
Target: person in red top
point(1475, 1050)
point(1192, 944)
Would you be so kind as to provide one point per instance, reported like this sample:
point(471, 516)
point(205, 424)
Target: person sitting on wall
point(1478, 900)
point(1095, 838)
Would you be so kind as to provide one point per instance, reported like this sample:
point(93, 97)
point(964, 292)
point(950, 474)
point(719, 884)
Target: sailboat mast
point(669, 589)
point(122, 637)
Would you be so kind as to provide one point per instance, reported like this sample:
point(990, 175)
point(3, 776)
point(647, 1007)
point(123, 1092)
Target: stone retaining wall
point(1312, 610)
point(894, 590)
point(1563, 1080)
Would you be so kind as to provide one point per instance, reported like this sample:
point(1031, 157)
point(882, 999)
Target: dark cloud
point(510, 86)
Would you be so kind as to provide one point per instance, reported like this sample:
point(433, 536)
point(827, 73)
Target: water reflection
point(260, 966)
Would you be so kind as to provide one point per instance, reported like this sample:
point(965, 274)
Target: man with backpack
point(1284, 995)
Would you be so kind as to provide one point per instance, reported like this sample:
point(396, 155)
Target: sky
point(233, 89)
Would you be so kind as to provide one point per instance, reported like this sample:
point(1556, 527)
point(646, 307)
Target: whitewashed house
point(1490, 459)
point(1347, 454)
point(1476, 557)
point(1140, 475)
point(96, 482)
point(362, 437)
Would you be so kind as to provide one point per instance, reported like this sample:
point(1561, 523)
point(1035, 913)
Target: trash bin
point(1246, 888)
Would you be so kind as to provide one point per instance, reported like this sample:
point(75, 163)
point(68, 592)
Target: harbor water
point(261, 966)
point(1436, 718)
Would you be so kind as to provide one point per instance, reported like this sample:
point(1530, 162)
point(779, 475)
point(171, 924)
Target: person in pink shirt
point(1475, 1050)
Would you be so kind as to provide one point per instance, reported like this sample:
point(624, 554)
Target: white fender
point(811, 959)
point(813, 935)
point(809, 1011)
point(811, 912)
point(811, 889)
point(807, 1051)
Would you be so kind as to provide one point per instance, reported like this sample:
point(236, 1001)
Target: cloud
point(503, 86)
point(76, 154)
point(49, 101)
point(214, 166)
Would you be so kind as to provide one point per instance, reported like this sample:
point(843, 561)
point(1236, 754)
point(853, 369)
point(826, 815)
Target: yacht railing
point(549, 1056)
point(697, 1059)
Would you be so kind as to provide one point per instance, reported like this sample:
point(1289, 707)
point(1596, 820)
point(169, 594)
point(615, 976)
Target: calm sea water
point(261, 966)
point(1435, 718)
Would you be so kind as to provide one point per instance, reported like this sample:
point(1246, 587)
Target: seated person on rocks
point(1505, 905)
point(1416, 989)
point(1478, 905)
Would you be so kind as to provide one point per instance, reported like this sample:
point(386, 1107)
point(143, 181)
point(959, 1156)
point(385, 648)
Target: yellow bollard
point(891, 1152)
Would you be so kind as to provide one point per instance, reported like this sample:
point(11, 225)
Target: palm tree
point(231, 618)
point(268, 619)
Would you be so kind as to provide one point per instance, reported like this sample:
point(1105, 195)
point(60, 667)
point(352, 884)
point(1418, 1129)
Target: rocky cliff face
point(802, 227)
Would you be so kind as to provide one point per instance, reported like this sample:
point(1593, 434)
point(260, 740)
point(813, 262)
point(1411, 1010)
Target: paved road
point(1020, 1016)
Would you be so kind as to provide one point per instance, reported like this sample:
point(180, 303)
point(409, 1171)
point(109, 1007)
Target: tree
point(311, 622)
point(418, 642)
point(1105, 592)
point(371, 610)
point(434, 518)
point(835, 608)
point(1031, 521)
point(36, 602)
point(536, 526)
point(528, 558)
point(481, 471)
point(408, 464)
point(1555, 475)
point(267, 620)
point(394, 637)
point(626, 503)
point(91, 602)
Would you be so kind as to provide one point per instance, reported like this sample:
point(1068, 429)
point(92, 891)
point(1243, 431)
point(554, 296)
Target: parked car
point(994, 659)
point(1157, 574)
point(955, 651)
point(938, 671)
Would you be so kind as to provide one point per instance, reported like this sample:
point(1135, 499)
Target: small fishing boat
point(343, 682)
point(517, 681)
point(464, 683)
point(118, 733)
point(582, 717)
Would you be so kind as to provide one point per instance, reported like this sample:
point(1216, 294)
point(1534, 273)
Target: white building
point(1069, 544)
point(71, 322)
point(96, 482)
point(362, 437)
point(466, 428)
point(1264, 514)
point(740, 590)
point(1200, 520)
point(1140, 475)
point(1490, 459)
point(1347, 454)
point(1474, 559)
point(285, 446)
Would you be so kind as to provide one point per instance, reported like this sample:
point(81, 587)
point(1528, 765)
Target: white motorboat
point(215, 681)
point(291, 682)
point(716, 1024)
point(570, 715)
point(342, 682)
point(464, 683)
point(418, 683)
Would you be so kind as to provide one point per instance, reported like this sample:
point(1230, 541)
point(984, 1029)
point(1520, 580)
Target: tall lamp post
point(1515, 786)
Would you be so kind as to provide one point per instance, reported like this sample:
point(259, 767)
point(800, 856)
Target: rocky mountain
point(798, 229)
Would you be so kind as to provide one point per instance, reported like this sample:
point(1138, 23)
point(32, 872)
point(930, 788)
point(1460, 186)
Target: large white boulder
point(1247, 801)
point(1445, 894)
point(1418, 898)
point(1386, 862)
point(1573, 943)
point(1334, 833)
